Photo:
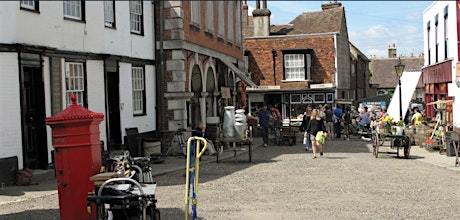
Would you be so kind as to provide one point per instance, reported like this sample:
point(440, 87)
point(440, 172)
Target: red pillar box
point(77, 156)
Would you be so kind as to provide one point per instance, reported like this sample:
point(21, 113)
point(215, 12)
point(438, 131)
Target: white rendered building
point(441, 73)
point(103, 51)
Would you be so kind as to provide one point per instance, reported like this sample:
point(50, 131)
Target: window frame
point(446, 38)
point(134, 90)
point(73, 17)
point(209, 17)
point(230, 21)
point(195, 13)
point(81, 93)
point(307, 63)
point(220, 20)
point(329, 97)
point(107, 23)
point(238, 11)
point(436, 41)
point(428, 30)
point(140, 15)
point(33, 8)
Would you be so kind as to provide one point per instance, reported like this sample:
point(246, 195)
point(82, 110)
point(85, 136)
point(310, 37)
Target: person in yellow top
point(417, 117)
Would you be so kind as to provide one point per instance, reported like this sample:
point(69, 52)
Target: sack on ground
point(320, 137)
point(25, 177)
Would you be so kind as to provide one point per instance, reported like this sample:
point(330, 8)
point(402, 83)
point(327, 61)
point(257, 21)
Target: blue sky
point(372, 25)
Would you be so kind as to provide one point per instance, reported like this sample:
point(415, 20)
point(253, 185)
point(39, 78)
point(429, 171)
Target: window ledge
point(295, 80)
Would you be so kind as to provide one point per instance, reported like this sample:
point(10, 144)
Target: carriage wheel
point(407, 147)
point(375, 145)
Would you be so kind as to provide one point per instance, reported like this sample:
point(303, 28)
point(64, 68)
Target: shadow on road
point(49, 214)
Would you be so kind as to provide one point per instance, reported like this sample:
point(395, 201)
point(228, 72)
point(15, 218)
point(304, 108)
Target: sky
point(372, 25)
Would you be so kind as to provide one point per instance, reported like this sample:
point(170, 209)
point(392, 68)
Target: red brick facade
point(261, 59)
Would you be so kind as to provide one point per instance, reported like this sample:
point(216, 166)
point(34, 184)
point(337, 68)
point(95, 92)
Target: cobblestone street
point(284, 182)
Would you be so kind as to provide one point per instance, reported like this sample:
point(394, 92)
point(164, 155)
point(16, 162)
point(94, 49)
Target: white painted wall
point(148, 121)
point(429, 15)
point(10, 111)
point(49, 28)
point(96, 92)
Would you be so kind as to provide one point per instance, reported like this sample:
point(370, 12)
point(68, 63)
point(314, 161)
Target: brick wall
point(261, 59)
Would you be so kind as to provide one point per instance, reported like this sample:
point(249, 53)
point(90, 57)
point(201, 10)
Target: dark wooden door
point(113, 110)
point(35, 151)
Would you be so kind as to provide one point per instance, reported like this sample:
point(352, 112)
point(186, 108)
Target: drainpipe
point(161, 78)
point(274, 64)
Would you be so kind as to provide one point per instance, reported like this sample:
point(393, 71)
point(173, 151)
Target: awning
point(409, 82)
point(239, 73)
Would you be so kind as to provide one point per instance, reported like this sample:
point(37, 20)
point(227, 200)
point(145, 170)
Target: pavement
point(47, 182)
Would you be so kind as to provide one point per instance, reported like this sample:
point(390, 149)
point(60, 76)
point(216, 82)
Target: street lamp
point(399, 68)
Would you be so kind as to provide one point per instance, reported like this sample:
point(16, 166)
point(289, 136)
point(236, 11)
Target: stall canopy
point(239, 73)
point(409, 82)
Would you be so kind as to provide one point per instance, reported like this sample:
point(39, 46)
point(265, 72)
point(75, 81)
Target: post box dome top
point(74, 112)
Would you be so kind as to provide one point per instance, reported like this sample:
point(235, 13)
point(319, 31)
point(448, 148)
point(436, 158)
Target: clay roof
point(383, 70)
point(325, 21)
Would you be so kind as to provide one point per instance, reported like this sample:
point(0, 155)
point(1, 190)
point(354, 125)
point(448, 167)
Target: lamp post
point(399, 68)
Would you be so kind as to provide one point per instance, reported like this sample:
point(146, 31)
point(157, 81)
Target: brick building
point(200, 50)
point(307, 61)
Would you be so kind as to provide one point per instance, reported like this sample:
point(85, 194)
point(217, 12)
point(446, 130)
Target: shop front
point(291, 103)
point(436, 79)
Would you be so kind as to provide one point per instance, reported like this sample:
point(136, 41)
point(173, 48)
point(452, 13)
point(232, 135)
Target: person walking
point(347, 123)
point(303, 127)
point(315, 125)
point(337, 113)
point(264, 122)
point(329, 121)
point(417, 118)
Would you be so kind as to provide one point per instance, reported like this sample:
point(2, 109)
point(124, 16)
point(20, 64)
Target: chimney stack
point(392, 51)
point(331, 4)
point(261, 20)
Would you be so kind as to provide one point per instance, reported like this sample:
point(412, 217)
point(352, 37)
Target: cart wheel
point(152, 213)
point(407, 147)
point(375, 145)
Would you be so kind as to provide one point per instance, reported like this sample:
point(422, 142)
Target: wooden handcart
point(396, 142)
point(235, 144)
point(288, 134)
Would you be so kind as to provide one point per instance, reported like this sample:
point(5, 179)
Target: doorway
point(33, 115)
point(113, 111)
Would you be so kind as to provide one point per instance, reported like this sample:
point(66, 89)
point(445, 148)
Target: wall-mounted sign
point(264, 87)
point(317, 86)
point(225, 91)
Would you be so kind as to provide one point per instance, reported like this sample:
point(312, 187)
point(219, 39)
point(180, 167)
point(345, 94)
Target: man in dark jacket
point(337, 121)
